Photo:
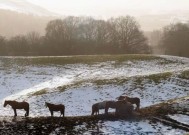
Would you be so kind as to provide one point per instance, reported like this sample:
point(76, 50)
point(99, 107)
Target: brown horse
point(124, 108)
point(110, 104)
point(96, 107)
point(18, 105)
point(134, 100)
point(53, 107)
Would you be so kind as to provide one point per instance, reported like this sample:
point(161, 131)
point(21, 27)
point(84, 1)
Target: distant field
point(85, 59)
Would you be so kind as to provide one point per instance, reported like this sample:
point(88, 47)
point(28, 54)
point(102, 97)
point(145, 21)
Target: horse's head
point(122, 98)
point(5, 103)
point(45, 104)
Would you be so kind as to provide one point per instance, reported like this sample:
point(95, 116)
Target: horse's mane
point(49, 103)
point(10, 101)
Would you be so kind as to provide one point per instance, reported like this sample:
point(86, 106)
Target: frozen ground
point(21, 82)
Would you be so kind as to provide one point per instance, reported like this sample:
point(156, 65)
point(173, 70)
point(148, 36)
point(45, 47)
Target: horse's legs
point(15, 113)
point(116, 111)
point(27, 112)
point(62, 113)
point(51, 113)
point(138, 107)
point(106, 110)
point(93, 111)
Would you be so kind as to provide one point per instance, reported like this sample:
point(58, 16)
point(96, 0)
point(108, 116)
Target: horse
point(53, 107)
point(18, 105)
point(109, 104)
point(134, 100)
point(124, 108)
point(97, 106)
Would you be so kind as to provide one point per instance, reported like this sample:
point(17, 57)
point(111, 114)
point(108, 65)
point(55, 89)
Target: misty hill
point(15, 23)
point(24, 6)
point(158, 21)
point(21, 17)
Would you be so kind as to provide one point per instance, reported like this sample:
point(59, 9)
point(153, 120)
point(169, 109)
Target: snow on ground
point(136, 128)
point(19, 82)
point(180, 118)
point(122, 127)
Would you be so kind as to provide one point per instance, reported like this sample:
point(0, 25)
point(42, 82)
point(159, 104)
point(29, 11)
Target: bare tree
point(34, 42)
point(128, 35)
point(3, 48)
point(18, 45)
point(82, 35)
point(175, 39)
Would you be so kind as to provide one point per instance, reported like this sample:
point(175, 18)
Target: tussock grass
point(40, 92)
point(184, 74)
point(157, 78)
point(137, 80)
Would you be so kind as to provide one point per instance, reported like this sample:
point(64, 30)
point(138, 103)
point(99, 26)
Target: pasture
point(80, 81)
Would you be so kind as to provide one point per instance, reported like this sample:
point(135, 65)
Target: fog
point(33, 15)
point(20, 17)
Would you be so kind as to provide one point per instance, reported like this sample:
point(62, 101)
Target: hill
point(14, 23)
point(80, 81)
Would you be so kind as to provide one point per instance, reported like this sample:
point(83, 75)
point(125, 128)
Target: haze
point(109, 8)
point(23, 16)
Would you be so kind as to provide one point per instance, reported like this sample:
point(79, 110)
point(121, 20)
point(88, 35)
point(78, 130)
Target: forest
point(89, 36)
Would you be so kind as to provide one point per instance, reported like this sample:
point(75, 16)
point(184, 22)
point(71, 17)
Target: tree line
point(80, 36)
point(173, 39)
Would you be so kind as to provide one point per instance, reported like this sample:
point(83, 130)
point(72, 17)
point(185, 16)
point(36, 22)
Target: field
point(80, 81)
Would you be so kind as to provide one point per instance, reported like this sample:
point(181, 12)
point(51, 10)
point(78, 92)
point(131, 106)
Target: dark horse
point(124, 108)
point(18, 105)
point(53, 107)
point(103, 105)
point(110, 104)
point(134, 100)
point(97, 106)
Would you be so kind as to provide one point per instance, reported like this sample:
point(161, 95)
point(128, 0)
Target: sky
point(107, 8)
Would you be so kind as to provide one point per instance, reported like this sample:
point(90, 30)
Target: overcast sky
point(107, 8)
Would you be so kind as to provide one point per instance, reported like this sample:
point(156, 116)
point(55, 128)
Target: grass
point(40, 92)
point(157, 78)
point(137, 80)
point(184, 74)
point(85, 59)
point(72, 85)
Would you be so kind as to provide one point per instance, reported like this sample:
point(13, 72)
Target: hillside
point(80, 81)
point(14, 23)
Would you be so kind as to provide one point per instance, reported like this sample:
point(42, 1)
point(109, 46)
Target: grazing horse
point(124, 108)
point(53, 107)
point(110, 104)
point(134, 100)
point(18, 105)
point(96, 107)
